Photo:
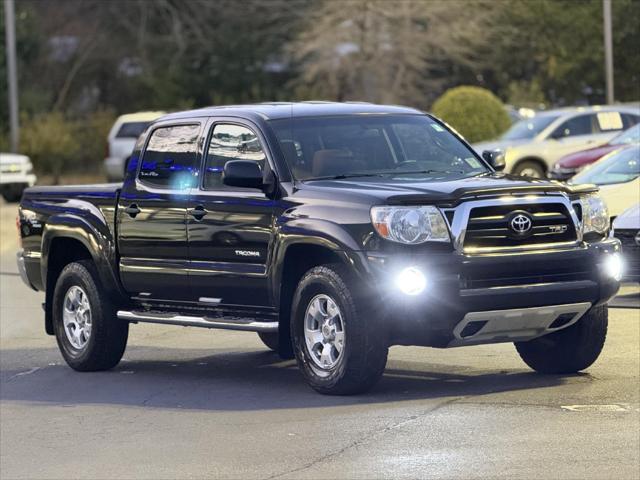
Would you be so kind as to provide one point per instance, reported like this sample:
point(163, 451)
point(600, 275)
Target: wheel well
point(537, 160)
point(62, 252)
point(297, 261)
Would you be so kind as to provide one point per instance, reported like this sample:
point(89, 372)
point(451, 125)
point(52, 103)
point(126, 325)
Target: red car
point(569, 165)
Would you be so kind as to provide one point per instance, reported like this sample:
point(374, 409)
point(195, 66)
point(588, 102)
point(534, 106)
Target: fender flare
point(98, 242)
point(318, 233)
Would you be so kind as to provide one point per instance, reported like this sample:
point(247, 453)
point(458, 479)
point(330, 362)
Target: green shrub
point(59, 146)
point(473, 111)
point(50, 140)
point(91, 134)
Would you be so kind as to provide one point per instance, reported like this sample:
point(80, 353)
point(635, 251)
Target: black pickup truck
point(333, 230)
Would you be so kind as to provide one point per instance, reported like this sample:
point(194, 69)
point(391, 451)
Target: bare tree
point(386, 51)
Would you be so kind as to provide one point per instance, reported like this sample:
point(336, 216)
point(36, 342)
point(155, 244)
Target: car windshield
point(529, 128)
point(629, 136)
point(405, 147)
point(620, 167)
point(131, 129)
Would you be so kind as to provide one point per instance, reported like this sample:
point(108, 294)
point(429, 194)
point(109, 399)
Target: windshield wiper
point(416, 172)
point(344, 175)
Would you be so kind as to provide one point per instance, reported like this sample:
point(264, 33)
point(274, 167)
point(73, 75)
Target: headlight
point(410, 225)
point(595, 216)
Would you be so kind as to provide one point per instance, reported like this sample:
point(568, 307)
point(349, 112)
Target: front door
point(152, 209)
point(230, 228)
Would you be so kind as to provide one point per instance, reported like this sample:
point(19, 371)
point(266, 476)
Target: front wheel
point(89, 335)
point(571, 349)
point(337, 344)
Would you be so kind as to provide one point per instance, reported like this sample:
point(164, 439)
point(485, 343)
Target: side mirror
point(242, 173)
point(495, 158)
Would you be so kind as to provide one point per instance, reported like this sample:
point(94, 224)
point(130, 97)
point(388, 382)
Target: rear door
point(230, 228)
point(152, 209)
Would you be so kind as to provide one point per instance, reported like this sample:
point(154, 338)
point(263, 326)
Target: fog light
point(613, 266)
point(411, 281)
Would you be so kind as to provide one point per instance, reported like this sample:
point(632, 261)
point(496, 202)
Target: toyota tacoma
point(333, 230)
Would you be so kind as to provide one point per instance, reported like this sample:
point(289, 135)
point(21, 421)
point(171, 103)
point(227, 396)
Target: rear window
point(131, 129)
point(171, 160)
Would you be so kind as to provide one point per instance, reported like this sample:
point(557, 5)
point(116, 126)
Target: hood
point(629, 219)
point(585, 157)
point(499, 145)
point(442, 192)
point(13, 158)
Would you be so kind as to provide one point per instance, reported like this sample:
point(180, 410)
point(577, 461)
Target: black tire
point(529, 168)
point(108, 337)
point(570, 350)
point(364, 352)
point(270, 339)
point(13, 196)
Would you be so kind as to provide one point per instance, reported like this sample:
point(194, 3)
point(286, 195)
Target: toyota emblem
point(521, 224)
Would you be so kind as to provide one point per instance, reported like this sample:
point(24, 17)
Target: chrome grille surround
point(458, 220)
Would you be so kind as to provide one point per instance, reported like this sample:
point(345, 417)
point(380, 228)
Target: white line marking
point(22, 374)
point(594, 408)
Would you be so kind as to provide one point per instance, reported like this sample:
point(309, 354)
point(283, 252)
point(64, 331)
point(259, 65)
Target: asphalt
point(189, 403)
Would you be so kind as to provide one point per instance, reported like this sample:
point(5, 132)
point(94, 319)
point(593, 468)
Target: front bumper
point(17, 180)
point(523, 287)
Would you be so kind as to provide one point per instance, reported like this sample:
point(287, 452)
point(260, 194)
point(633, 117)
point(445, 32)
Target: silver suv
point(533, 145)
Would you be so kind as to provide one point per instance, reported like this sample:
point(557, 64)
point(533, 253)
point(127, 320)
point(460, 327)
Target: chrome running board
point(193, 321)
point(515, 325)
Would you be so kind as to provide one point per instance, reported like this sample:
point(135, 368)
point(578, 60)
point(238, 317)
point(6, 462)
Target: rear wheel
point(335, 340)
point(571, 349)
point(89, 335)
point(529, 168)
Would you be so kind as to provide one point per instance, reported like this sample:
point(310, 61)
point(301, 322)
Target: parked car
point(533, 146)
point(626, 228)
point(122, 137)
point(355, 227)
point(569, 165)
point(16, 174)
point(617, 175)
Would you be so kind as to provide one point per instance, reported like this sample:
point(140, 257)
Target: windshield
point(529, 128)
point(413, 147)
point(131, 129)
point(629, 136)
point(620, 167)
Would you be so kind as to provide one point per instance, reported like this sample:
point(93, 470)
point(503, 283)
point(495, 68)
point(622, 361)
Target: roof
point(140, 116)
point(276, 110)
point(589, 109)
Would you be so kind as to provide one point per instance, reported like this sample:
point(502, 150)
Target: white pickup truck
point(16, 174)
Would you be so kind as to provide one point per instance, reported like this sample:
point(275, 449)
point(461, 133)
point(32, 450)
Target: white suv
point(532, 146)
point(16, 174)
point(121, 140)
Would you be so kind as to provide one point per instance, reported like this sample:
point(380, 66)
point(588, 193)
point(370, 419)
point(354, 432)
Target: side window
point(629, 120)
point(170, 160)
point(580, 125)
point(230, 142)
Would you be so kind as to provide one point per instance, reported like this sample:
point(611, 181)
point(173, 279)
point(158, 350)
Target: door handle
point(132, 210)
point(198, 212)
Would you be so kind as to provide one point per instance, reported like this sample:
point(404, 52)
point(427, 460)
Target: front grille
point(491, 227)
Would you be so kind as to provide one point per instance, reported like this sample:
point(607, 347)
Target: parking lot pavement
point(189, 403)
